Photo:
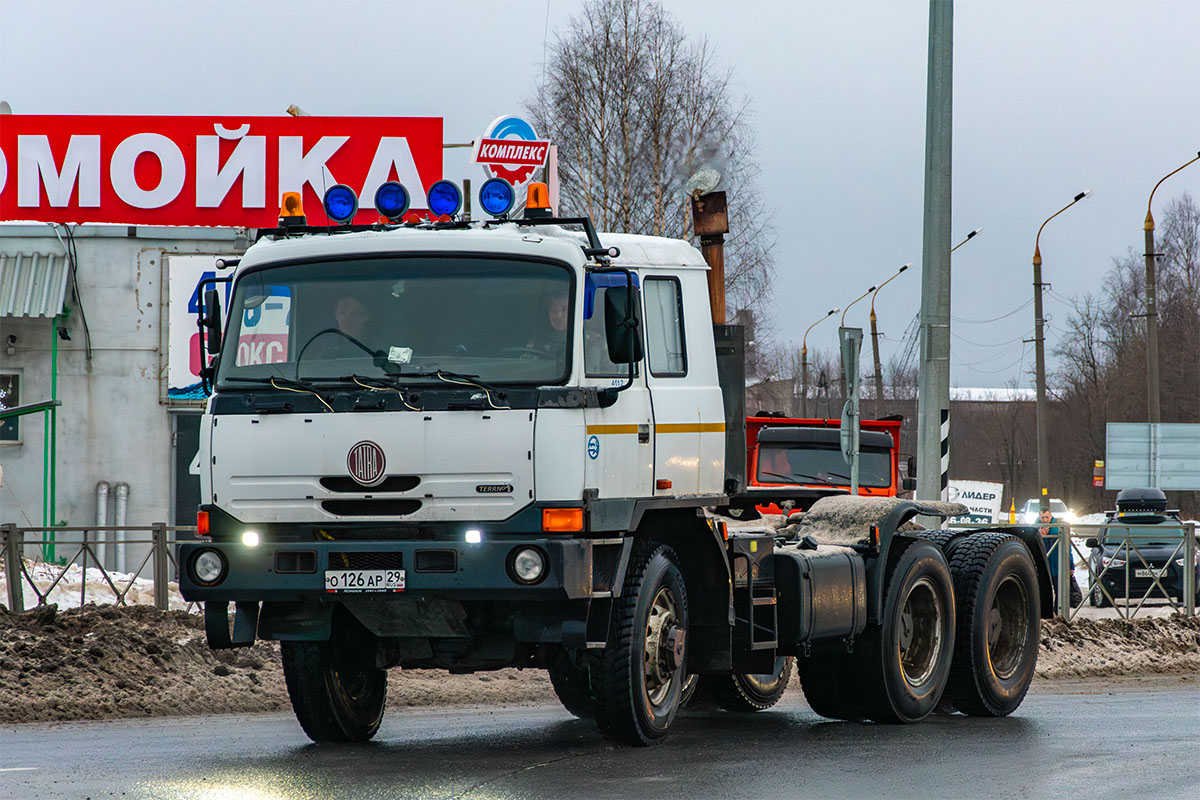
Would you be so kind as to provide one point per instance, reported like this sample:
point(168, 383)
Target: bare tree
point(637, 107)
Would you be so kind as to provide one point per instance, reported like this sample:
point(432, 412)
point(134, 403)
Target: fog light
point(527, 565)
point(208, 567)
point(250, 538)
point(474, 537)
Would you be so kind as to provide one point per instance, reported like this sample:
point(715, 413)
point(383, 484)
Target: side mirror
point(912, 467)
point(622, 324)
point(212, 320)
point(1093, 543)
point(909, 484)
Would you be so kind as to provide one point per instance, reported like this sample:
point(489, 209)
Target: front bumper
point(479, 571)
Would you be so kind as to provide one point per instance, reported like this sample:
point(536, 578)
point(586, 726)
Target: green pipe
point(50, 554)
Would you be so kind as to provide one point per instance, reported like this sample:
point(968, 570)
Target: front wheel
point(999, 624)
point(638, 679)
point(337, 692)
point(743, 692)
point(573, 686)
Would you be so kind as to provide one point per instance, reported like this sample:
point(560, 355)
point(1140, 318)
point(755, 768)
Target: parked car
point(1127, 560)
point(1028, 513)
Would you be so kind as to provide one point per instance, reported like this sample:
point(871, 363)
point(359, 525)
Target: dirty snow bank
point(68, 591)
point(110, 662)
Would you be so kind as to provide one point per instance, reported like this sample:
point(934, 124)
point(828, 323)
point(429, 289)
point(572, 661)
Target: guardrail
point(159, 556)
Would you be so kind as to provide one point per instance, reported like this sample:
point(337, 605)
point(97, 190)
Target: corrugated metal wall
point(32, 284)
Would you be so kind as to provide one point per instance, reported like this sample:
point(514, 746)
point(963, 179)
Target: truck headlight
point(208, 567)
point(527, 565)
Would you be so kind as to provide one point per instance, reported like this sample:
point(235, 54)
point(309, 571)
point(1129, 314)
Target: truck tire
point(745, 693)
point(830, 685)
point(573, 686)
point(336, 690)
point(904, 663)
point(999, 624)
point(638, 678)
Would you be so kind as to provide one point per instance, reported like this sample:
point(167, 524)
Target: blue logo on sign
point(593, 447)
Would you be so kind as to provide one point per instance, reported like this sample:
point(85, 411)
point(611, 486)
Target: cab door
point(689, 417)
point(619, 442)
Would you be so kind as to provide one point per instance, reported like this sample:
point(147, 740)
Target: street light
point(970, 236)
point(1151, 307)
point(875, 338)
point(842, 379)
point(1039, 349)
point(804, 362)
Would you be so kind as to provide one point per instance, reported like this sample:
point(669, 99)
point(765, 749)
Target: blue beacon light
point(497, 196)
point(445, 199)
point(391, 200)
point(341, 203)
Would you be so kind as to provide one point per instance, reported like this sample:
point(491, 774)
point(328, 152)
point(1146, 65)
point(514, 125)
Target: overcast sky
point(1050, 97)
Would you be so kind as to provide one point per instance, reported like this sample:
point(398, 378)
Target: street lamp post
point(1039, 349)
point(1152, 401)
point(804, 362)
point(842, 380)
point(875, 340)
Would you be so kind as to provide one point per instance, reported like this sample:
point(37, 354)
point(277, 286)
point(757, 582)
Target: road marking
point(17, 769)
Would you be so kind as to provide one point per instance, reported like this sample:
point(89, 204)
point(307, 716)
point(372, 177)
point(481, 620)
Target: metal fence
point(21, 574)
point(1124, 570)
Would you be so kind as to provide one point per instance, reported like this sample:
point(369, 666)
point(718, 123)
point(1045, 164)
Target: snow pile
point(68, 592)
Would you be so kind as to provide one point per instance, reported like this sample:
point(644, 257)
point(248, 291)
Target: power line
point(994, 319)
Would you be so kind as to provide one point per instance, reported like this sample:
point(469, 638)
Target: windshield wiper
point(292, 383)
point(797, 477)
point(447, 376)
point(287, 384)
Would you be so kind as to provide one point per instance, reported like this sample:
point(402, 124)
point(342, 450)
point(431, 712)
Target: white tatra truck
point(478, 445)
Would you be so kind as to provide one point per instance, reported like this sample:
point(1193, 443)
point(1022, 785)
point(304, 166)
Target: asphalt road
point(1080, 740)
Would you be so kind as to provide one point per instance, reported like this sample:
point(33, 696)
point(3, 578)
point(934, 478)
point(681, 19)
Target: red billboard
point(226, 171)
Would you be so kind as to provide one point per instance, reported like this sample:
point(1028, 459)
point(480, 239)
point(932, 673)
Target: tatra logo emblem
point(365, 463)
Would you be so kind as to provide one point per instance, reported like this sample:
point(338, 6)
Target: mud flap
point(216, 624)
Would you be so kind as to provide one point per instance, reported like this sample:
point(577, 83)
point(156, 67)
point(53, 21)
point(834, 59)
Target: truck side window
point(596, 363)
point(664, 328)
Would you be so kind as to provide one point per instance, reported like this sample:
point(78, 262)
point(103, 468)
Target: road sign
point(1142, 454)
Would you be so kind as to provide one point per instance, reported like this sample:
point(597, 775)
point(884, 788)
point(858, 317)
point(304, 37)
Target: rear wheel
point(999, 624)
point(638, 679)
point(905, 662)
point(336, 690)
point(744, 692)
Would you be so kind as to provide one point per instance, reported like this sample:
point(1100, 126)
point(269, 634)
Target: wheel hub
point(664, 646)
point(919, 634)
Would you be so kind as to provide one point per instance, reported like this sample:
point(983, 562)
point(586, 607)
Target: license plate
point(364, 580)
point(1148, 573)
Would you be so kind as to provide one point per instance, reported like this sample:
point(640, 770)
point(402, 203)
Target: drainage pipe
point(101, 518)
point(122, 492)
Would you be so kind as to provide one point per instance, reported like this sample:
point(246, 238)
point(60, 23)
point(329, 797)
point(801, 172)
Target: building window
point(10, 396)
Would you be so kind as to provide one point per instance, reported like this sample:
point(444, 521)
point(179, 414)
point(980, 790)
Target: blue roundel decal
point(593, 447)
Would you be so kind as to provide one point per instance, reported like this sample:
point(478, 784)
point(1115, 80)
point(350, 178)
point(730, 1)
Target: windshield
point(782, 464)
point(497, 320)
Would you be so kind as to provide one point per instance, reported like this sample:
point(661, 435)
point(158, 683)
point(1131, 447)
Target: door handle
point(643, 434)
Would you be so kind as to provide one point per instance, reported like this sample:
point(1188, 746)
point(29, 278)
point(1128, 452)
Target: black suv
point(1127, 560)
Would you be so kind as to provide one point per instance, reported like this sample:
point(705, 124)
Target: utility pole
point(933, 408)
